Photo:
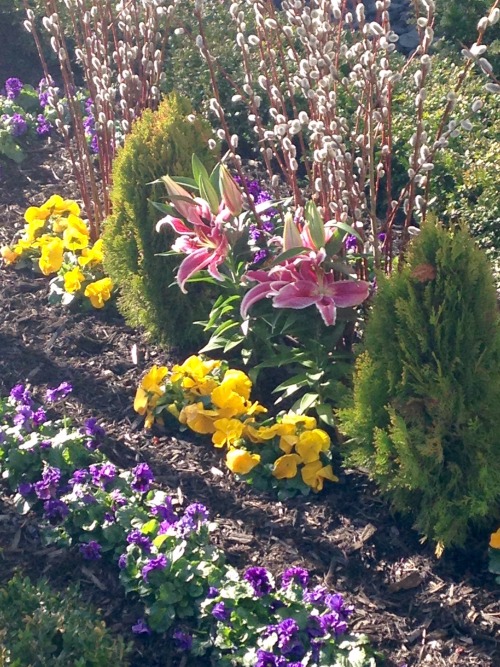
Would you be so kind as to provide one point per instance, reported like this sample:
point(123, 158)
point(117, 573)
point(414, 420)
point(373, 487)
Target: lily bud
point(291, 234)
point(231, 194)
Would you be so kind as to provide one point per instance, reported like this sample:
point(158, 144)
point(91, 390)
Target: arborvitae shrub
point(160, 142)
point(425, 418)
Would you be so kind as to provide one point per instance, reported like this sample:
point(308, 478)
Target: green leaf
point(288, 254)
point(291, 385)
point(207, 190)
point(349, 230)
point(305, 403)
point(315, 224)
point(325, 413)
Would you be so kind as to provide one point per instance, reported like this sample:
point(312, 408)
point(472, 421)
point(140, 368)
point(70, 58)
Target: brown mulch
point(417, 610)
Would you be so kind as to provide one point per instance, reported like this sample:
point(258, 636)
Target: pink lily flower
point(305, 283)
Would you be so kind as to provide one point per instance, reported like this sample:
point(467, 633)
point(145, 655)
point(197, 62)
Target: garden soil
point(417, 609)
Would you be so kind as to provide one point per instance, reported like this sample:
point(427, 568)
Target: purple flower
point(183, 640)
point(158, 563)
point(25, 488)
point(122, 561)
point(79, 477)
point(47, 486)
point(43, 126)
point(91, 550)
point(23, 416)
point(317, 594)
point(45, 444)
point(119, 500)
point(197, 512)
point(142, 478)
point(260, 256)
point(94, 144)
point(140, 627)
point(18, 125)
point(93, 429)
point(165, 511)
point(102, 474)
point(258, 578)
point(43, 99)
point(254, 233)
point(296, 575)
point(220, 612)
point(141, 540)
point(55, 510)
point(40, 417)
point(332, 623)
point(13, 88)
point(20, 394)
point(351, 242)
point(58, 393)
point(212, 592)
point(266, 659)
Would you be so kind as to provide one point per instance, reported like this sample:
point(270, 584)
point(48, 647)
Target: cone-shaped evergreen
point(425, 418)
point(161, 142)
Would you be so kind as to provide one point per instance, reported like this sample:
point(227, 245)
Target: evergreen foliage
point(425, 418)
point(160, 142)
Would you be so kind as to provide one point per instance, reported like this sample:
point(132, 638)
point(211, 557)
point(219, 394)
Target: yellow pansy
point(263, 433)
point(31, 229)
point(286, 466)
point(9, 255)
point(73, 280)
point(193, 375)
point(299, 420)
point(227, 431)
point(229, 403)
point(238, 382)
point(24, 244)
point(93, 255)
point(76, 235)
point(198, 419)
point(99, 292)
point(151, 381)
point(311, 443)
point(495, 540)
point(314, 475)
point(240, 461)
point(54, 205)
point(51, 257)
point(255, 408)
point(141, 400)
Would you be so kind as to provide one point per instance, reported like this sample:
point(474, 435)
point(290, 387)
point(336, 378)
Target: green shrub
point(464, 182)
point(42, 628)
point(160, 142)
point(424, 419)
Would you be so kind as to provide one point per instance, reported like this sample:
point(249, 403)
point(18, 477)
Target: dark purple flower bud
point(122, 561)
point(91, 550)
point(183, 640)
point(296, 575)
point(158, 563)
point(142, 478)
point(58, 393)
point(140, 627)
point(13, 88)
point(220, 612)
point(212, 592)
point(25, 488)
point(259, 579)
point(141, 540)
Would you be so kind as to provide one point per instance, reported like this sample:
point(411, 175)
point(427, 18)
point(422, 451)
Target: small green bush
point(160, 142)
point(425, 419)
point(42, 628)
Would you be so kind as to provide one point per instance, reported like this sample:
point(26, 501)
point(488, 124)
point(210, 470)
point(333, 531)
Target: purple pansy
point(183, 640)
point(259, 579)
point(158, 563)
point(140, 627)
point(220, 611)
point(142, 478)
point(102, 473)
point(296, 575)
point(141, 540)
point(91, 550)
point(58, 393)
point(55, 510)
point(13, 87)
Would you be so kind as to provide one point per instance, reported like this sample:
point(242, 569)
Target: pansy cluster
point(22, 118)
point(288, 452)
point(164, 555)
point(57, 240)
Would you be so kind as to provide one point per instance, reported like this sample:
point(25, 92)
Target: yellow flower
point(495, 540)
point(227, 431)
point(193, 375)
point(73, 280)
point(286, 466)
point(314, 475)
point(94, 255)
point(151, 381)
point(9, 255)
point(240, 461)
point(299, 420)
point(141, 400)
point(76, 235)
point(55, 205)
point(51, 257)
point(99, 292)
point(31, 229)
point(238, 382)
point(198, 419)
point(311, 443)
point(229, 403)
point(263, 433)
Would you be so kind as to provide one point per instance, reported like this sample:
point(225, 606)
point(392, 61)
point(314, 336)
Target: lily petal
point(347, 293)
point(300, 294)
point(253, 295)
point(196, 261)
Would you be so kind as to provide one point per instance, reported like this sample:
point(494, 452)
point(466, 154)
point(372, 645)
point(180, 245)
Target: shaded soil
point(416, 609)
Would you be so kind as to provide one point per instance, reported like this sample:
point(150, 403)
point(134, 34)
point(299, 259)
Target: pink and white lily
point(205, 243)
point(302, 283)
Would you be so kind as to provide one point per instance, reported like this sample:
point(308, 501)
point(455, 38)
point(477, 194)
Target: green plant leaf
point(315, 224)
point(207, 190)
